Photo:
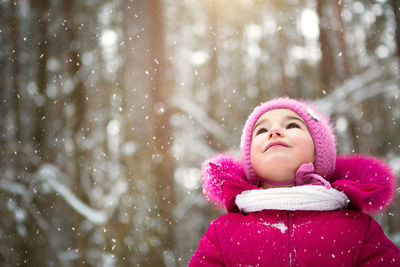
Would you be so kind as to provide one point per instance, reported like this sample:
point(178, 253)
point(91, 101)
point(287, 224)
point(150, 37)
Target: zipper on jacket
point(288, 240)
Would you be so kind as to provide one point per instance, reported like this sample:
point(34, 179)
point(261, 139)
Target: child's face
point(281, 143)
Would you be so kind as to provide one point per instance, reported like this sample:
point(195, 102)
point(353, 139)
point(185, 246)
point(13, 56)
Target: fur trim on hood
point(223, 178)
point(368, 182)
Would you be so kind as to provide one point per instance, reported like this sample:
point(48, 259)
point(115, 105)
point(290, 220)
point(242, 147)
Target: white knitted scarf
point(305, 197)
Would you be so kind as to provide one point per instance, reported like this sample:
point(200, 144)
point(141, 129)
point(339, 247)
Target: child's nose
point(275, 132)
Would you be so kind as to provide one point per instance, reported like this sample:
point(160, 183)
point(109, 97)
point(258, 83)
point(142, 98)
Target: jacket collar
point(368, 182)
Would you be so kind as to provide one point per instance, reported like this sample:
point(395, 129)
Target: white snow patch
point(188, 177)
point(280, 226)
point(309, 24)
point(199, 57)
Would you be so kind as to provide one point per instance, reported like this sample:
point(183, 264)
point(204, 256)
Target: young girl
point(290, 201)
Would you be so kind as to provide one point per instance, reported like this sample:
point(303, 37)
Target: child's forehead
point(281, 113)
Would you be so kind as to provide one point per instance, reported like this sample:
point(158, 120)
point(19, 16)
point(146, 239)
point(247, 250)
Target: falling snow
point(109, 109)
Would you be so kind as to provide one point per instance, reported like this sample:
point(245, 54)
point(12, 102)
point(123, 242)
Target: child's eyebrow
point(289, 117)
point(295, 118)
point(258, 123)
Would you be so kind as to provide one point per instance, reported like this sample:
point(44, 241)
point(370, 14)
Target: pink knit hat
point(318, 125)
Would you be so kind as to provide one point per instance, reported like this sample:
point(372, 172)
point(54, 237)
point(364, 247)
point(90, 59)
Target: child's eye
point(292, 125)
point(261, 130)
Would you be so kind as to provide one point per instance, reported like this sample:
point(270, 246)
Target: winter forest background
point(109, 107)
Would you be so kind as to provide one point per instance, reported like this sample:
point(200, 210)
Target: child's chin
point(278, 158)
point(279, 175)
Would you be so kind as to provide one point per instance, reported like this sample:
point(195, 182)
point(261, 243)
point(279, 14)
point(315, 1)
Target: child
point(290, 201)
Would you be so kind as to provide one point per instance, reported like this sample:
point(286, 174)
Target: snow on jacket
point(272, 237)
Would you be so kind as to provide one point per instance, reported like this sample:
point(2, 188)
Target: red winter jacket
point(346, 237)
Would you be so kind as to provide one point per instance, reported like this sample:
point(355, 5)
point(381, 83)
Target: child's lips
point(275, 144)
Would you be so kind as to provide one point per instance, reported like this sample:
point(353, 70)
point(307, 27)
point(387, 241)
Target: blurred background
point(109, 107)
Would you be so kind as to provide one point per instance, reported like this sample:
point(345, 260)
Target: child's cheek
point(255, 148)
point(256, 144)
point(306, 145)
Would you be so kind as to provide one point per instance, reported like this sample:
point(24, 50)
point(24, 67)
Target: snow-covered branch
point(49, 175)
point(12, 187)
point(190, 108)
point(388, 86)
point(336, 100)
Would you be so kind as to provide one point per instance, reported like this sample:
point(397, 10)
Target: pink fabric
point(305, 175)
point(223, 179)
point(318, 125)
point(295, 238)
point(346, 237)
point(368, 182)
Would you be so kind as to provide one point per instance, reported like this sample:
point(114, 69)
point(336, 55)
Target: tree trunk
point(396, 11)
point(282, 59)
point(346, 72)
point(14, 34)
point(77, 98)
point(163, 133)
point(213, 73)
point(39, 136)
point(139, 74)
point(327, 64)
point(16, 111)
point(4, 107)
